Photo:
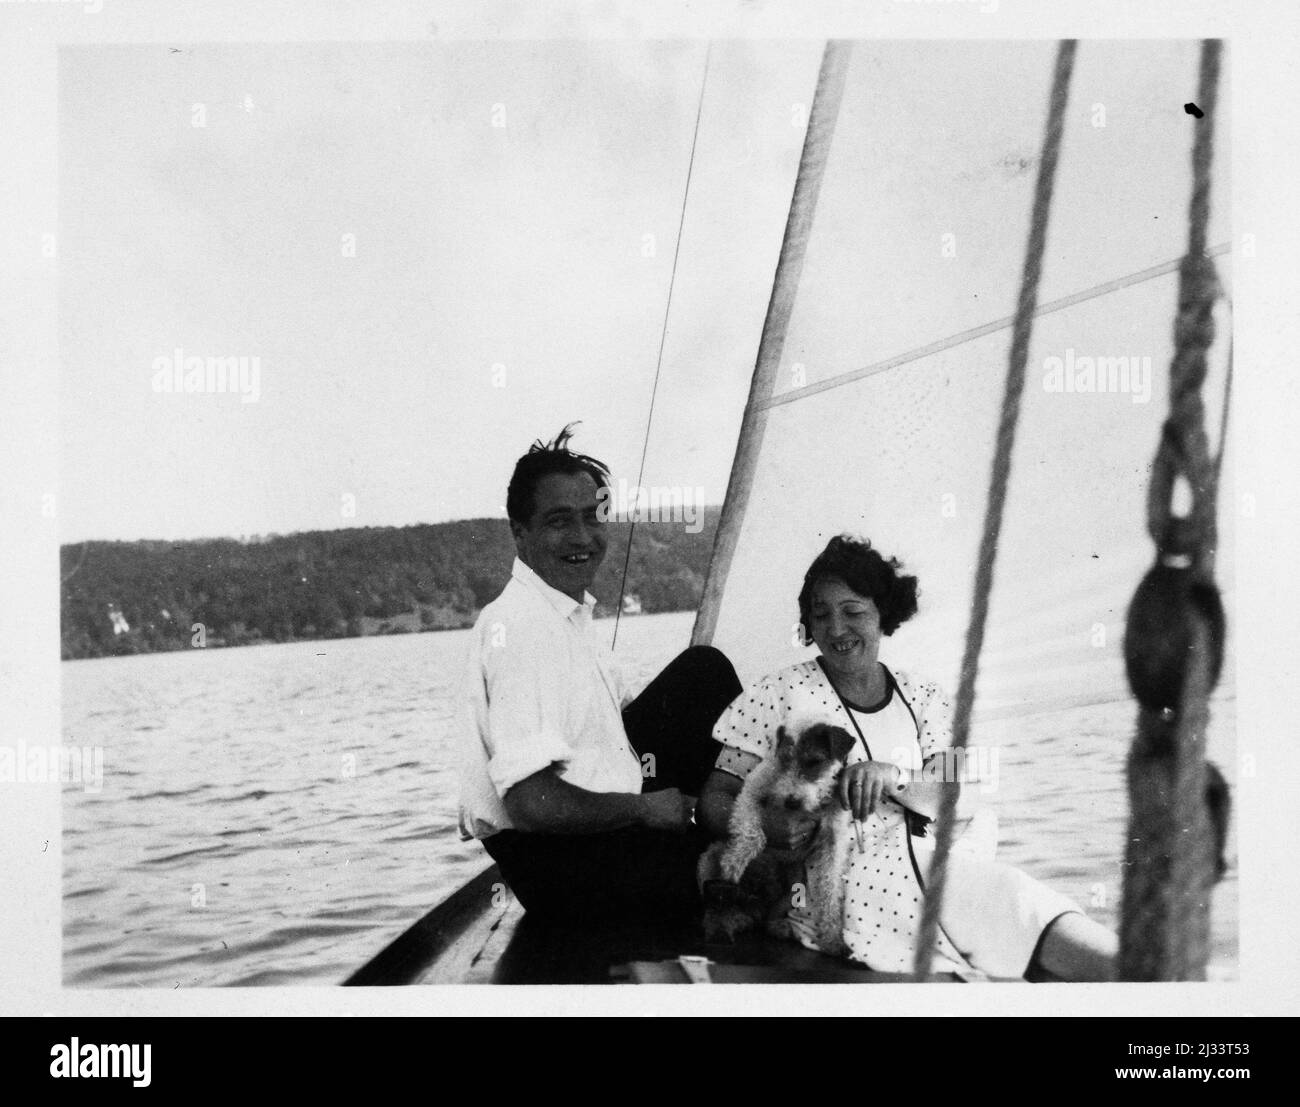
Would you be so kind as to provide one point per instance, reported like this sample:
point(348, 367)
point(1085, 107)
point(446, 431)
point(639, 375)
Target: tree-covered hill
point(140, 597)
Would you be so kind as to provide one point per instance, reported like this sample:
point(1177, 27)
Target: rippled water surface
point(276, 814)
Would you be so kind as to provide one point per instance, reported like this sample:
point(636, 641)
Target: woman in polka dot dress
point(995, 918)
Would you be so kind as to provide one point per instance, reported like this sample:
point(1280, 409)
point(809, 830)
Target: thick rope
point(999, 479)
point(1217, 467)
point(663, 337)
point(1184, 448)
point(1173, 642)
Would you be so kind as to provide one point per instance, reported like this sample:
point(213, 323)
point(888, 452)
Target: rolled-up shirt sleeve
point(746, 727)
point(526, 713)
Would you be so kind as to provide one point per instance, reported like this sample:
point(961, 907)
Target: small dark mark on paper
point(1192, 109)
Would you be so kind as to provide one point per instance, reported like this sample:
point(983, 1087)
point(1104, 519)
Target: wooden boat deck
point(478, 936)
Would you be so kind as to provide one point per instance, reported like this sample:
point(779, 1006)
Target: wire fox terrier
point(744, 886)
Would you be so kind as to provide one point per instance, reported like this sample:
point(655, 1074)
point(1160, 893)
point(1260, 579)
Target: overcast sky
point(521, 246)
point(438, 253)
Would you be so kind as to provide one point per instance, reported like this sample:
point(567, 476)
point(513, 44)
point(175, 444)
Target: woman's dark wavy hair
point(541, 460)
point(868, 573)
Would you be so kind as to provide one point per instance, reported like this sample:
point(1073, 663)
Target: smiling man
point(584, 796)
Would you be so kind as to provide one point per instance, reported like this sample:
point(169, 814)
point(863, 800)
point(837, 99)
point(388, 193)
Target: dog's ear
point(832, 742)
point(784, 745)
point(841, 743)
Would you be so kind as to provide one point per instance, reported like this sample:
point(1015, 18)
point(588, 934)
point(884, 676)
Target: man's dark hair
point(868, 573)
point(541, 460)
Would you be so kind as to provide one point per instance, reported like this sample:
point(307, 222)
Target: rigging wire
point(663, 336)
point(80, 558)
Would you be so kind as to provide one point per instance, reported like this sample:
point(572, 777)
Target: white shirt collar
point(565, 605)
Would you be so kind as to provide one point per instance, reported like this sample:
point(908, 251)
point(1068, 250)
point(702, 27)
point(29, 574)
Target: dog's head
point(810, 759)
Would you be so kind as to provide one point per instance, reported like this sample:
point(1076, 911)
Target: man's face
point(564, 541)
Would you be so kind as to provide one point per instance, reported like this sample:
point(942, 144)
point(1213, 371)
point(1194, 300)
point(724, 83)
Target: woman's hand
point(864, 784)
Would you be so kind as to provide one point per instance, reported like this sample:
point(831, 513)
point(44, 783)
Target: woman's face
point(845, 627)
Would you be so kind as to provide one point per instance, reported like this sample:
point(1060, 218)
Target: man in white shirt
point(583, 797)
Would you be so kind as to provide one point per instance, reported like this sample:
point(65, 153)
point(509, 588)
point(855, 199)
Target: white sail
point(919, 236)
point(884, 412)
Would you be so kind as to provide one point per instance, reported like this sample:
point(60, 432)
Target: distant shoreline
point(119, 599)
point(385, 630)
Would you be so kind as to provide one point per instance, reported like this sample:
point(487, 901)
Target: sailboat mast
point(803, 204)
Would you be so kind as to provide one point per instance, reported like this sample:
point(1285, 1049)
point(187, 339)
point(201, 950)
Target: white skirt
point(994, 914)
point(992, 919)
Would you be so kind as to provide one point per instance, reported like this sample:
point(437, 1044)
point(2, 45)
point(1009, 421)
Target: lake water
point(276, 814)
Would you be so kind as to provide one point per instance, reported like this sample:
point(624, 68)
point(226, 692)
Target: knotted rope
point(1022, 331)
point(1173, 643)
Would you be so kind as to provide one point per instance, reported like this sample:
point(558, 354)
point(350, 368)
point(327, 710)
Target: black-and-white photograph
point(714, 505)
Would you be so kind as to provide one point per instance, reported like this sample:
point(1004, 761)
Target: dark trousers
point(634, 872)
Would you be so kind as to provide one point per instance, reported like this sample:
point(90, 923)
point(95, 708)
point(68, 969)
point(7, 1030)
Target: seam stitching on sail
point(985, 329)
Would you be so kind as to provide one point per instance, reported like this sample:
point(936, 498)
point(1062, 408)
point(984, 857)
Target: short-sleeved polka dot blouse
point(883, 891)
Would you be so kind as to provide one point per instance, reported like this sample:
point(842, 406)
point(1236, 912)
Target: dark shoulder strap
point(916, 822)
point(845, 707)
point(898, 691)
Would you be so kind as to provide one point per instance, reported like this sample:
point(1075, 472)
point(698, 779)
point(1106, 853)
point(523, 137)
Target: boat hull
point(480, 935)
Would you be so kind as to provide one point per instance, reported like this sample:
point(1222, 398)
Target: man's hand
point(667, 810)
